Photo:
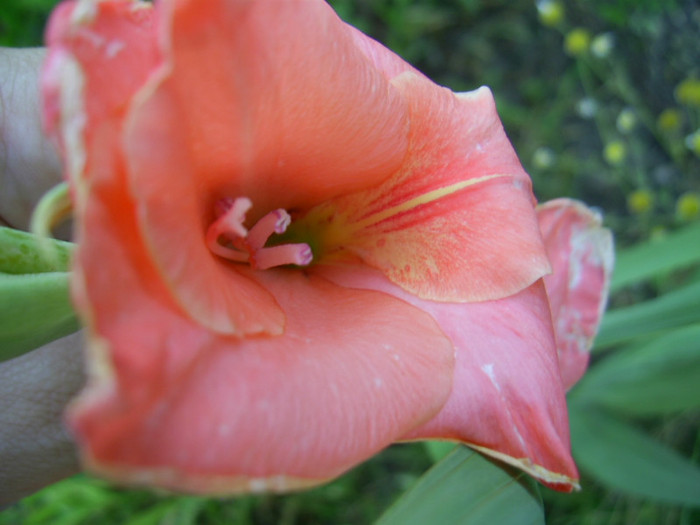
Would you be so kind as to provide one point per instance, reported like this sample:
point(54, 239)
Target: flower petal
point(457, 221)
point(210, 289)
point(582, 255)
point(80, 94)
point(385, 60)
point(264, 100)
point(173, 405)
point(507, 398)
point(86, 110)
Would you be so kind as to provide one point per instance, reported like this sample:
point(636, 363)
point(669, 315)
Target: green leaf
point(648, 259)
point(438, 449)
point(466, 487)
point(659, 377)
point(34, 309)
point(672, 310)
point(628, 460)
point(20, 252)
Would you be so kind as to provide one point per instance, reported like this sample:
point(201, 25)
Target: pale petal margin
point(582, 255)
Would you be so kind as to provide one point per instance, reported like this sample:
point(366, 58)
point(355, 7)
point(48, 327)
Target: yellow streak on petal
point(331, 231)
point(425, 198)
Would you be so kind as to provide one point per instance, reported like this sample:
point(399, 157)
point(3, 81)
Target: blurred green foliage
point(601, 100)
point(22, 22)
point(358, 497)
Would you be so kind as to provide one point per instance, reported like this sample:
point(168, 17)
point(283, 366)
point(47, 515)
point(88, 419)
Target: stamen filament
point(274, 222)
point(227, 237)
point(299, 254)
point(229, 253)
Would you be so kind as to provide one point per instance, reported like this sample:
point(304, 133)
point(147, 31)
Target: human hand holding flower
point(35, 448)
point(29, 164)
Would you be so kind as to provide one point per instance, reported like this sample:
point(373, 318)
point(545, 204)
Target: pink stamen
point(235, 216)
point(299, 254)
point(241, 245)
point(229, 225)
point(274, 222)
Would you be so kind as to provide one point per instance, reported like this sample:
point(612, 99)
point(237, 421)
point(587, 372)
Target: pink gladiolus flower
point(294, 250)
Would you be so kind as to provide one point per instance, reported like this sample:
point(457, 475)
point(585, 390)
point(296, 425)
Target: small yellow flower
point(543, 158)
point(688, 206)
point(577, 41)
point(626, 120)
point(692, 142)
point(551, 13)
point(602, 45)
point(615, 153)
point(640, 201)
point(587, 107)
point(670, 119)
point(688, 92)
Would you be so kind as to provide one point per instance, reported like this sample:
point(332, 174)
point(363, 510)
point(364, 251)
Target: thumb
point(29, 165)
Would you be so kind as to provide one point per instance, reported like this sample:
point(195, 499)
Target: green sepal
point(22, 253)
point(35, 306)
point(54, 207)
point(34, 310)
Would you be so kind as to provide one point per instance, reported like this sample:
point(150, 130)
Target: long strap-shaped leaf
point(642, 261)
point(660, 376)
point(630, 461)
point(675, 309)
point(466, 487)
